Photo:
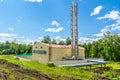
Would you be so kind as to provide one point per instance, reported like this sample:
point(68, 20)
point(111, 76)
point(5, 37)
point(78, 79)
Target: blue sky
point(30, 20)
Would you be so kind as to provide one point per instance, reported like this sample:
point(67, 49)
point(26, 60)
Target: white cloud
point(25, 41)
point(58, 38)
point(88, 40)
point(110, 28)
point(113, 15)
point(11, 29)
point(34, 0)
point(59, 29)
point(4, 39)
point(96, 10)
point(19, 37)
point(7, 35)
point(50, 29)
point(99, 35)
point(40, 38)
point(115, 26)
point(55, 23)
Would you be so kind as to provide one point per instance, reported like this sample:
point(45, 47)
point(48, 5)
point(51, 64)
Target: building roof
point(61, 46)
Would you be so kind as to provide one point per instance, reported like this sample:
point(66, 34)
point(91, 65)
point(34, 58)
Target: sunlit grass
point(114, 65)
point(65, 73)
point(52, 72)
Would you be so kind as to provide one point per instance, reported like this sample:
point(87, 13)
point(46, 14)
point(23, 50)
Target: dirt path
point(12, 71)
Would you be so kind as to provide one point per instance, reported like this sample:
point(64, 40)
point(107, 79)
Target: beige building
point(51, 52)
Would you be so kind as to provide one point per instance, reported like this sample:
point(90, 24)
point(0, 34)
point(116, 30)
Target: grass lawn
point(66, 73)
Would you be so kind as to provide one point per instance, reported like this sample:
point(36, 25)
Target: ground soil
point(118, 72)
point(100, 71)
point(12, 71)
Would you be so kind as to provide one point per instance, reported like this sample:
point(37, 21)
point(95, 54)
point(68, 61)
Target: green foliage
point(56, 73)
point(54, 41)
point(68, 41)
point(46, 39)
point(64, 73)
point(50, 65)
point(61, 43)
point(107, 47)
point(14, 48)
point(111, 74)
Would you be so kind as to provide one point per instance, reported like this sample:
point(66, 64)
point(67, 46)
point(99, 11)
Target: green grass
point(114, 65)
point(52, 72)
point(63, 73)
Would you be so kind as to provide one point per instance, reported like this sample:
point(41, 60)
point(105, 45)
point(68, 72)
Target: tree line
point(47, 39)
point(107, 48)
point(14, 48)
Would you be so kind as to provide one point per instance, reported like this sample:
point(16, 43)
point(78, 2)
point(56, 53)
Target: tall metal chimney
point(74, 30)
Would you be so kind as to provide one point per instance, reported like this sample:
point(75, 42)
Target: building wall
point(59, 53)
point(52, 53)
point(81, 53)
point(43, 58)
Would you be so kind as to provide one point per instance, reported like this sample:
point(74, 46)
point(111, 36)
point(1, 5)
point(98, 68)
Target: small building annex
point(52, 52)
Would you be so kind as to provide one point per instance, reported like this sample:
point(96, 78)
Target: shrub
point(50, 64)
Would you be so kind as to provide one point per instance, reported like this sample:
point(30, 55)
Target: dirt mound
point(118, 72)
point(101, 70)
point(3, 75)
point(18, 69)
point(102, 78)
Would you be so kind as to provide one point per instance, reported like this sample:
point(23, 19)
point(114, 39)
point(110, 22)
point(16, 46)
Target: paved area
point(85, 62)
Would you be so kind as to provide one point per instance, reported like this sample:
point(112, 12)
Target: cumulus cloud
point(112, 27)
point(96, 10)
point(88, 40)
point(59, 29)
point(11, 29)
point(55, 23)
point(58, 38)
point(113, 15)
point(34, 0)
point(7, 35)
point(25, 41)
point(99, 35)
point(14, 37)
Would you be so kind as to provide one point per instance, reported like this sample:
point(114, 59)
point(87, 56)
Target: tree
point(108, 47)
point(54, 41)
point(14, 48)
point(68, 41)
point(46, 39)
point(61, 43)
